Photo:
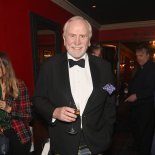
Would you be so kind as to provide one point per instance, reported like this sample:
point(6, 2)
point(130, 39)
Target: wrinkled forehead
point(77, 25)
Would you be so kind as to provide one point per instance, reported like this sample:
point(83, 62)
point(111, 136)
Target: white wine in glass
point(72, 129)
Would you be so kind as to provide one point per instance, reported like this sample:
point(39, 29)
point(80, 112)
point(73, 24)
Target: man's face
point(76, 38)
point(142, 57)
point(97, 52)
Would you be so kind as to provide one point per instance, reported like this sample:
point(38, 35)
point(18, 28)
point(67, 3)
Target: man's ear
point(148, 55)
point(89, 44)
point(64, 40)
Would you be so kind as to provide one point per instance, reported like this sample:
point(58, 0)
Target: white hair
point(78, 18)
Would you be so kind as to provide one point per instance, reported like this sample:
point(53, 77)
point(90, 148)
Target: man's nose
point(77, 41)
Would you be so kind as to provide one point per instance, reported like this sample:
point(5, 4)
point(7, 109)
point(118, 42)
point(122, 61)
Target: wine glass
point(3, 149)
point(77, 110)
point(72, 129)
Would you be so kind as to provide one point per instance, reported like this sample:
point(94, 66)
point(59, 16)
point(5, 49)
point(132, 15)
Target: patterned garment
point(21, 113)
point(109, 88)
point(4, 120)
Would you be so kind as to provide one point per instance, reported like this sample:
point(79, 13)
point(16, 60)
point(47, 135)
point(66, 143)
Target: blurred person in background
point(141, 97)
point(15, 109)
point(96, 49)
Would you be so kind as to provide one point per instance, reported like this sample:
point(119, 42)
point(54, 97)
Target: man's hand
point(1, 130)
point(131, 98)
point(65, 114)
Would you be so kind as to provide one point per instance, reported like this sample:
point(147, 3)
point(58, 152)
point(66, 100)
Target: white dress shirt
point(80, 83)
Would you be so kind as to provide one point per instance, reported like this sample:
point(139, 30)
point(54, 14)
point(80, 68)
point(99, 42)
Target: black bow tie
point(80, 63)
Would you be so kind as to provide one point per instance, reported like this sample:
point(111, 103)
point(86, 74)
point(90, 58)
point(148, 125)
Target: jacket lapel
point(65, 80)
point(65, 83)
point(95, 80)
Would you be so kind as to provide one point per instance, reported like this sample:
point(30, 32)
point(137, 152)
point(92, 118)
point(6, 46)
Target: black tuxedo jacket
point(143, 84)
point(53, 90)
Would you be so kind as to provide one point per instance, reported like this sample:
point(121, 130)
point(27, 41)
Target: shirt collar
point(85, 57)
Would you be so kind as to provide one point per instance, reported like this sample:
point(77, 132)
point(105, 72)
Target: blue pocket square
point(109, 88)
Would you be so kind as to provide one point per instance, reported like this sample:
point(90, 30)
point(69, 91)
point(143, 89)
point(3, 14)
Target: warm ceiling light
point(154, 57)
point(152, 43)
point(93, 6)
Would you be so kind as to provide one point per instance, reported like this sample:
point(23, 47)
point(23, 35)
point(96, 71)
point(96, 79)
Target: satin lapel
point(94, 73)
point(65, 80)
point(95, 79)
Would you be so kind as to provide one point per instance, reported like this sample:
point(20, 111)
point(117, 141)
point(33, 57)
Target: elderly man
point(74, 80)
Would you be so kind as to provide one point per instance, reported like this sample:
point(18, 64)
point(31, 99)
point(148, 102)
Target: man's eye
point(72, 35)
point(83, 36)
